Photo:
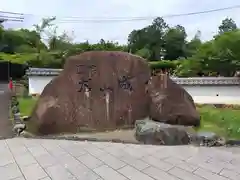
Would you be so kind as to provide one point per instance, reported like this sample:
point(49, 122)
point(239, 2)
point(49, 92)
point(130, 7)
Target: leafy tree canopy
point(165, 46)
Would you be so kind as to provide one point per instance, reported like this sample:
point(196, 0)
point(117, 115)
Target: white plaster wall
point(37, 83)
point(224, 94)
point(206, 94)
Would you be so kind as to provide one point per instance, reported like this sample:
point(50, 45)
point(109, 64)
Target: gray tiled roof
point(43, 72)
point(182, 81)
point(207, 80)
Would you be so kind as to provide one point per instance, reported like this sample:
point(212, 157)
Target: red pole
point(10, 85)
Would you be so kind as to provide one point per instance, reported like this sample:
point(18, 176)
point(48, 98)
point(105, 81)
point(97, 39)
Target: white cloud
point(118, 31)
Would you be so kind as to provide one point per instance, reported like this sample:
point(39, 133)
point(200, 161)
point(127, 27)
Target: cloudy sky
point(34, 10)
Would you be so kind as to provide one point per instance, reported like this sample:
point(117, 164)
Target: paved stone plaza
point(32, 159)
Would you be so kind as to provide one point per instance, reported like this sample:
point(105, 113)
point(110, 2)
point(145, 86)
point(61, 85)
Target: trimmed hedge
point(52, 60)
point(163, 64)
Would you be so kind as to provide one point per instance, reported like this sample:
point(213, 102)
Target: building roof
point(182, 81)
point(207, 80)
point(43, 72)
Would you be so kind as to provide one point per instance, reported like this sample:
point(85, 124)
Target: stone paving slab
point(45, 159)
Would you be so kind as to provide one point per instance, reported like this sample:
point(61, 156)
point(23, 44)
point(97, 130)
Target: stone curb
point(229, 143)
point(75, 138)
point(9, 137)
point(232, 143)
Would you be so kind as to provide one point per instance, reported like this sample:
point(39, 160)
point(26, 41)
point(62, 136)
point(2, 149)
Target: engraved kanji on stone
point(86, 69)
point(124, 83)
point(84, 85)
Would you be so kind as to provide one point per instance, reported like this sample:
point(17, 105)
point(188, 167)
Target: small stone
point(151, 132)
point(18, 128)
point(25, 118)
point(208, 139)
point(207, 135)
point(26, 134)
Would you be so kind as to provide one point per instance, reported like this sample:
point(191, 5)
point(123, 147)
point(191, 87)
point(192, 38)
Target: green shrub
point(163, 65)
point(188, 68)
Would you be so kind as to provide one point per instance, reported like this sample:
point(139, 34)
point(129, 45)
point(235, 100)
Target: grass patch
point(224, 121)
point(26, 105)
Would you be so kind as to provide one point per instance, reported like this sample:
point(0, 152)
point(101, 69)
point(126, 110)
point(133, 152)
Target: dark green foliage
point(155, 42)
point(163, 64)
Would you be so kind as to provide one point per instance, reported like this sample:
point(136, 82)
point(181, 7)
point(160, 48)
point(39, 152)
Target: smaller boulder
point(18, 128)
point(26, 134)
point(151, 132)
point(208, 139)
point(171, 103)
point(25, 118)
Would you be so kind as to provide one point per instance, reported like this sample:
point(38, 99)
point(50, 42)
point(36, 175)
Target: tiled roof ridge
point(178, 80)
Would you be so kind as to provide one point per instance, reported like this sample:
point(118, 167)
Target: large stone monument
point(109, 90)
point(96, 90)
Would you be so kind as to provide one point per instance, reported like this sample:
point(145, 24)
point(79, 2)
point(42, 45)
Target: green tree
point(137, 40)
point(222, 54)
point(188, 68)
point(193, 45)
point(59, 42)
point(150, 37)
point(156, 34)
point(227, 25)
point(41, 30)
point(11, 40)
point(144, 52)
point(175, 43)
point(227, 53)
